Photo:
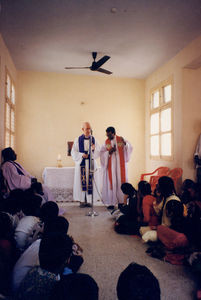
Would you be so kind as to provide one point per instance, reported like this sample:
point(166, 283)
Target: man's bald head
point(86, 128)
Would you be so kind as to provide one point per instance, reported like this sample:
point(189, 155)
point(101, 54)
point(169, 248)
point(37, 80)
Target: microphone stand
point(91, 213)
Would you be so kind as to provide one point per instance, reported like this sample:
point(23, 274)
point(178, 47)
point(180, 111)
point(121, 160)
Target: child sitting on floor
point(75, 286)
point(150, 218)
point(138, 282)
point(188, 193)
point(27, 226)
point(175, 235)
point(30, 257)
point(128, 222)
point(8, 253)
point(54, 251)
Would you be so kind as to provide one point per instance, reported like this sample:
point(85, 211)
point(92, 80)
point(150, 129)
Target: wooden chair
point(155, 175)
point(69, 147)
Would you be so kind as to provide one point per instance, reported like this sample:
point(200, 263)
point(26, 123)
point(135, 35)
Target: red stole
point(120, 146)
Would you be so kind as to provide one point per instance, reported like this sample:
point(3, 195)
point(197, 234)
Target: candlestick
point(59, 164)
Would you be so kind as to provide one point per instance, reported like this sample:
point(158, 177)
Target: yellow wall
point(5, 62)
point(182, 108)
point(50, 113)
point(191, 118)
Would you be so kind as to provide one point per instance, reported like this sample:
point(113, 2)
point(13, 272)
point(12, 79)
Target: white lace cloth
point(62, 194)
point(60, 182)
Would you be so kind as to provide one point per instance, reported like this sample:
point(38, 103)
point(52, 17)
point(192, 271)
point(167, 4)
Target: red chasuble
point(120, 146)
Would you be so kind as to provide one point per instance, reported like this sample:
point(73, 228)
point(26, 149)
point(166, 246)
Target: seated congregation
point(39, 260)
point(35, 248)
point(169, 223)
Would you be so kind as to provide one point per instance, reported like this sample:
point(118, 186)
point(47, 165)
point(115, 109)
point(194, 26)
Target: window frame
point(12, 107)
point(162, 106)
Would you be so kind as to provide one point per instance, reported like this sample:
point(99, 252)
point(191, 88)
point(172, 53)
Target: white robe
point(26, 261)
point(198, 150)
point(113, 196)
point(78, 194)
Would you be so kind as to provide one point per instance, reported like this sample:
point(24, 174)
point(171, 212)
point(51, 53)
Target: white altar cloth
point(60, 182)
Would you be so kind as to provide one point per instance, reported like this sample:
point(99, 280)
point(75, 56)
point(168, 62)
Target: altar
point(60, 182)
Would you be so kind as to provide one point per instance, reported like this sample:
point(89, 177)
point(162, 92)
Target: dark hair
point(31, 205)
point(55, 249)
point(198, 191)
point(111, 129)
point(36, 187)
point(144, 188)
point(166, 186)
point(128, 189)
point(17, 194)
point(49, 211)
point(175, 210)
point(6, 227)
point(58, 224)
point(76, 286)
point(188, 184)
point(8, 154)
point(14, 202)
point(137, 282)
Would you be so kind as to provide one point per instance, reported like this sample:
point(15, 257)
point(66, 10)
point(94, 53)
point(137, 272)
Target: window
point(161, 121)
point(9, 112)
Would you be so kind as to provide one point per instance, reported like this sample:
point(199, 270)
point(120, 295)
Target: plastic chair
point(159, 172)
point(175, 174)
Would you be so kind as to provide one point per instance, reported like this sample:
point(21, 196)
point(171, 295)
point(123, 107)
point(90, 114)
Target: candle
point(59, 157)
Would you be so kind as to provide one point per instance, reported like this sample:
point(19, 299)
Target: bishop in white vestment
point(114, 155)
point(83, 146)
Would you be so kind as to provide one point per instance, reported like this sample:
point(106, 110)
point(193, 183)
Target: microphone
point(91, 138)
point(91, 155)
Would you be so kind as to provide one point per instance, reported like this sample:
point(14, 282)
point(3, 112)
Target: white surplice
point(113, 196)
point(198, 150)
point(78, 194)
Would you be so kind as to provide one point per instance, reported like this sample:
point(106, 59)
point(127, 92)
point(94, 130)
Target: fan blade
point(104, 71)
point(74, 68)
point(99, 63)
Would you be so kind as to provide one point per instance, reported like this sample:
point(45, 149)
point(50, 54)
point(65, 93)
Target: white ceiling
point(139, 35)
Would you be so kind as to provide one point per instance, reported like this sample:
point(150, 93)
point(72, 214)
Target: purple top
point(16, 176)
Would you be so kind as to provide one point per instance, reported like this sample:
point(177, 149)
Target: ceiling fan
point(95, 64)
